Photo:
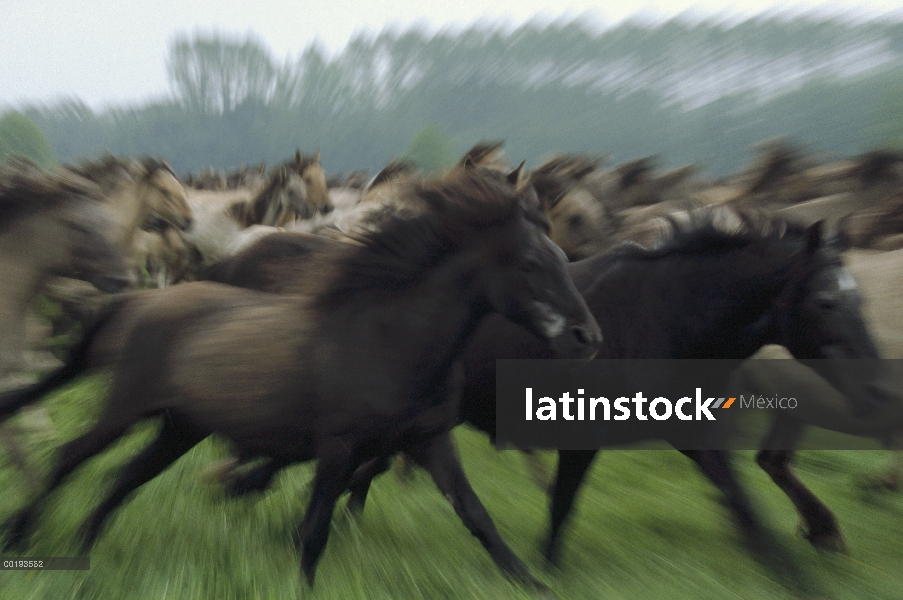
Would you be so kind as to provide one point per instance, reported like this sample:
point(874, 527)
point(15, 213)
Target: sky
point(113, 52)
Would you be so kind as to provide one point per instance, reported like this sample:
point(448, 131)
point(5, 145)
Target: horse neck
point(431, 321)
point(652, 308)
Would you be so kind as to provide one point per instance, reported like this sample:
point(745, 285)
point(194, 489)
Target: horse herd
point(348, 321)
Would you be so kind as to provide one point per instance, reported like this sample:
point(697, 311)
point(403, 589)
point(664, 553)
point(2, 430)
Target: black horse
point(705, 293)
point(358, 370)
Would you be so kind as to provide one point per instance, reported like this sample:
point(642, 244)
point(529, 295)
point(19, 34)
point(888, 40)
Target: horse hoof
point(543, 592)
point(880, 483)
point(309, 569)
point(16, 538)
point(826, 542)
point(552, 555)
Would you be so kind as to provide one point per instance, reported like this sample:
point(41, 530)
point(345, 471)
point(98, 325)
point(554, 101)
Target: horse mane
point(575, 166)
point(558, 175)
point(703, 234)
point(107, 171)
point(484, 154)
point(635, 171)
point(26, 188)
point(398, 254)
point(395, 169)
point(876, 165)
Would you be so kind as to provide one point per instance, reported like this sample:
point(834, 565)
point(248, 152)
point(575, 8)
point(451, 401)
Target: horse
point(704, 293)
point(144, 197)
point(143, 193)
point(356, 370)
point(291, 191)
point(51, 224)
point(581, 225)
point(876, 279)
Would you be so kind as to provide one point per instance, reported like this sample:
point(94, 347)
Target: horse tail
point(76, 364)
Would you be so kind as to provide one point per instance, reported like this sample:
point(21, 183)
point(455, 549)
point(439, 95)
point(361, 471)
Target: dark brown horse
point(355, 371)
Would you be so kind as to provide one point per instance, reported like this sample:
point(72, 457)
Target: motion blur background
point(223, 85)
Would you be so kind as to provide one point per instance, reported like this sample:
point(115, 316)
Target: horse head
point(166, 197)
point(525, 274)
point(307, 190)
point(818, 316)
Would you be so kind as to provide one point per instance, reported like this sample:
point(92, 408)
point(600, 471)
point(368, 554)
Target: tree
point(213, 74)
point(19, 136)
point(888, 128)
point(432, 149)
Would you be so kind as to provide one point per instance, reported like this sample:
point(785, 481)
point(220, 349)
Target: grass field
point(647, 526)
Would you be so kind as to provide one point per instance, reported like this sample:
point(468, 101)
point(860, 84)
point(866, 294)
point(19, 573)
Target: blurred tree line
point(687, 92)
point(20, 137)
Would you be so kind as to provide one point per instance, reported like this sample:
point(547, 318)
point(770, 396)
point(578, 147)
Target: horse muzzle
point(580, 342)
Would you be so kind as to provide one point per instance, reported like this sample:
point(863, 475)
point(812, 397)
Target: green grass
point(647, 525)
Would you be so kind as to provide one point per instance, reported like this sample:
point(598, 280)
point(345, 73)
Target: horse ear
point(283, 174)
point(468, 163)
point(814, 236)
point(514, 176)
point(317, 156)
point(298, 158)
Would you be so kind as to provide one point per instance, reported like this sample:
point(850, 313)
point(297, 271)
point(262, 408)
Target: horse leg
point(174, 440)
point(537, 470)
point(334, 470)
point(572, 468)
point(11, 441)
point(360, 482)
point(715, 465)
point(438, 457)
point(73, 454)
point(820, 525)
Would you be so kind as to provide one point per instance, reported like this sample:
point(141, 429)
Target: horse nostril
point(582, 336)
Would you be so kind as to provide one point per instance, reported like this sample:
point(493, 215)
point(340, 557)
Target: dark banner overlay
point(699, 404)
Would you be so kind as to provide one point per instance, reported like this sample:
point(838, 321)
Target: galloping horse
point(142, 193)
point(50, 224)
point(294, 190)
point(357, 370)
point(875, 284)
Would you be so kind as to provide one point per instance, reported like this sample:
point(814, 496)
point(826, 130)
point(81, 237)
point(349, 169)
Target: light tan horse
point(581, 225)
point(141, 193)
point(50, 224)
point(295, 190)
point(144, 197)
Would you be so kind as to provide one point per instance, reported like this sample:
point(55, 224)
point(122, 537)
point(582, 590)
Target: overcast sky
point(113, 51)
